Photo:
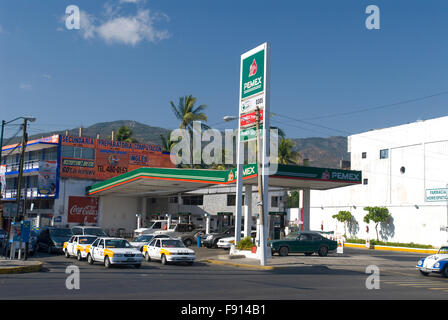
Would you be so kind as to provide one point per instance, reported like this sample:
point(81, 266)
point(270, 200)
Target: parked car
point(436, 263)
point(211, 240)
point(303, 242)
point(51, 239)
point(89, 230)
point(155, 226)
point(110, 251)
point(144, 239)
point(226, 243)
point(185, 231)
point(168, 250)
point(77, 245)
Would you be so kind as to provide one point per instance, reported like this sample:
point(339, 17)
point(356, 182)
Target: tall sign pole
point(254, 125)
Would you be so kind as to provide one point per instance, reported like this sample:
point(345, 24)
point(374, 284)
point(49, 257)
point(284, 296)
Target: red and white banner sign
point(82, 210)
point(250, 118)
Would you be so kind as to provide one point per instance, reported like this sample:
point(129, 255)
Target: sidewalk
point(19, 266)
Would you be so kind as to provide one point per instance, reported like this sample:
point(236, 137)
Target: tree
point(285, 153)
point(345, 217)
point(167, 144)
point(376, 215)
point(187, 113)
point(294, 199)
point(125, 133)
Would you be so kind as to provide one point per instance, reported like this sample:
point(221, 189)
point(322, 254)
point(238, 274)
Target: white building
point(404, 168)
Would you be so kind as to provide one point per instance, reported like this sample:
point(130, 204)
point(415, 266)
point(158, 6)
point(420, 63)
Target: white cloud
point(131, 30)
point(25, 86)
point(47, 76)
point(119, 29)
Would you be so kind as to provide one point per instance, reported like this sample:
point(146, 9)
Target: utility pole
point(260, 191)
point(19, 217)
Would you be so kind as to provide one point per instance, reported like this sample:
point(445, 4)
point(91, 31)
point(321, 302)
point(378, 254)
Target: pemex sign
point(253, 74)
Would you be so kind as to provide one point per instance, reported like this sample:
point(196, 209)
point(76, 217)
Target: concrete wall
point(421, 148)
point(118, 212)
point(67, 188)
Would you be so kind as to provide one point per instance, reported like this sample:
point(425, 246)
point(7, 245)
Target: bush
point(392, 244)
point(245, 244)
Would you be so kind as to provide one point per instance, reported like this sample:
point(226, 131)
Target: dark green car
point(303, 242)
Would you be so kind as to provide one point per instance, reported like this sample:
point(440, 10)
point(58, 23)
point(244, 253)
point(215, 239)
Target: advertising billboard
point(99, 159)
point(82, 210)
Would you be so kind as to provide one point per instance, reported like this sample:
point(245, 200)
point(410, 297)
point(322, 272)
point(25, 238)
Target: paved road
point(331, 277)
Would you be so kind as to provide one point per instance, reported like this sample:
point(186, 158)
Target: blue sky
point(131, 57)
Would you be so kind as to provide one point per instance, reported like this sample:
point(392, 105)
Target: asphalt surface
point(332, 277)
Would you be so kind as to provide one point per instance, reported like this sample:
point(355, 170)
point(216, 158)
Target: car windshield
point(117, 243)
point(443, 250)
point(95, 232)
point(146, 238)
point(292, 235)
point(86, 240)
point(172, 244)
point(61, 232)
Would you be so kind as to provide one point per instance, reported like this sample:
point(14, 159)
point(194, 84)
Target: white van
point(155, 226)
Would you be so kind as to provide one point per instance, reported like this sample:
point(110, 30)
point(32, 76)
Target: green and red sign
point(252, 77)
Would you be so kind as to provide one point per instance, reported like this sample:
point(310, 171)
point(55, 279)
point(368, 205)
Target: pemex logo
point(253, 68)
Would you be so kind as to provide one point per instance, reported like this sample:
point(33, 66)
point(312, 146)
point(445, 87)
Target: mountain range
point(320, 152)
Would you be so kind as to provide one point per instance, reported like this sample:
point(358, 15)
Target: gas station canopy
point(168, 181)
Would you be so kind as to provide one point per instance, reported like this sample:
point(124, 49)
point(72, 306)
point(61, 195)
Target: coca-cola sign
point(82, 210)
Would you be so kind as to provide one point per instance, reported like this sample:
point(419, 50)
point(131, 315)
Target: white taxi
point(168, 250)
point(112, 251)
point(76, 246)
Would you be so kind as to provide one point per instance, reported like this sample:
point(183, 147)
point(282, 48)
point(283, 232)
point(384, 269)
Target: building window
point(231, 200)
point(274, 202)
point(193, 200)
point(384, 154)
point(365, 181)
point(173, 200)
point(364, 155)
point(77, 152)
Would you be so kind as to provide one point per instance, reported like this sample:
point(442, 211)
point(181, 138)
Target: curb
point(241, 265)
point(22, 269)
point(388, 248)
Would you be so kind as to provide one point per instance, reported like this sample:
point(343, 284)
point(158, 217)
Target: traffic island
point(19, 266)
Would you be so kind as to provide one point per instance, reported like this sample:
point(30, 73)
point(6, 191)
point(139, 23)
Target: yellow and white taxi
point(112, 251)
point(77, 245)
point(168, 250)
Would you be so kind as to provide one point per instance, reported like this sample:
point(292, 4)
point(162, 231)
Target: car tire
point(147, 257)
point(424, 273)
point(283, 251)
point(163, 260)
point(107, 263)
point(445, 271)
point(190, 263)
point(67, 255)
point(90, 259)
point(323, 251)
point(137, 266)
point(50, 249)
point(309, 253)
point(79, 256)
point(188, 242)
point(37, 249)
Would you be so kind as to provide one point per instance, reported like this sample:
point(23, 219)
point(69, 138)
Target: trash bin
point(198, 238)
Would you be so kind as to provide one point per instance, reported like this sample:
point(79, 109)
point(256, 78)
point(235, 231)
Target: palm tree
point(285, 153)
point(167, 144)
point(125, 133)
point(187, 113)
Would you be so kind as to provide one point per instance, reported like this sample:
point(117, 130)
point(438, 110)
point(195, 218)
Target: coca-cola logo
point(84, 210)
